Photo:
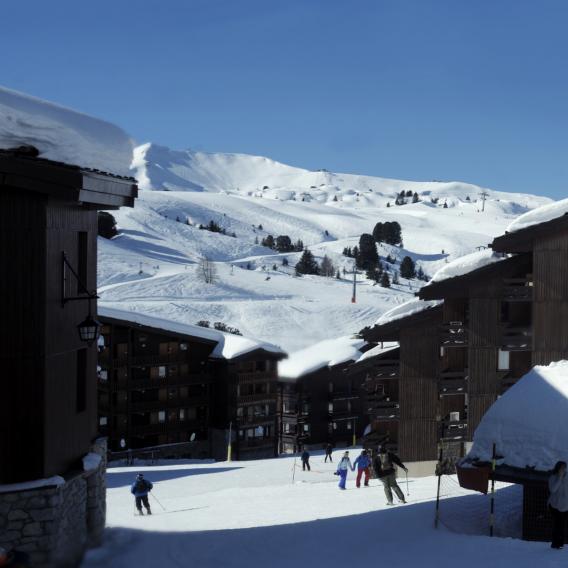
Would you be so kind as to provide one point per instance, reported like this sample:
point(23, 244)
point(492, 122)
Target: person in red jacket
point(362, 463)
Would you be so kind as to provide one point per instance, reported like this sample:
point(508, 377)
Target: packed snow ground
point(256, 514)
point(153, 266)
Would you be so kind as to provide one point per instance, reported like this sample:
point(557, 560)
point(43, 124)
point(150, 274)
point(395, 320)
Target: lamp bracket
point(65, 267)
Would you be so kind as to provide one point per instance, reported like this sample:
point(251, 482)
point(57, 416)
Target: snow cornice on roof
point(227, 345)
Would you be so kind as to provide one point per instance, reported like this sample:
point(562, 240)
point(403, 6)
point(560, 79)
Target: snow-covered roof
point(407, 309)
point(379, 350)
point(540, 215)
point(229, 346)
point(529, 422)
point(62, 134)
point(466, 264)
point(326, 353)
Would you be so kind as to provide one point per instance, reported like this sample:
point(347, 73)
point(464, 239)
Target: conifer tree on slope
point(407, 268)
point(307, 264)
point(368, 257)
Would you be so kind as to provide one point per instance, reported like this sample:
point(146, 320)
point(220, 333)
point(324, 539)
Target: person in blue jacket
point(140, 489)
point(363, 464)
point(343, 468)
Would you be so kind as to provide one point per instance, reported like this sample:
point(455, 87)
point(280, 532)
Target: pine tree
point(415, 198)
point(260, 228)
point(368, 257)
point(385, 280)
point(335, 198)
point(388, 204)
point(284, 244)
point(268, 241)
point(307, 264)
point(106, 225)
point(338, 275)
point(326, 267)
point(407, 268)
point(355, 252)
point(445, 204)
point(379, 232)
point(299, 246)
point(284, 261)
point(256, 240)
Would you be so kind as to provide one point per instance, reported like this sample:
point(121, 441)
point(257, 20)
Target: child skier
point(385, 470)
point(343, 468)
point(140, 489)
point(362, 462)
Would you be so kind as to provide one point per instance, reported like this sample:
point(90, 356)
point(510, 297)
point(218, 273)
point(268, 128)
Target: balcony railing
point(257, 377)
point(343, 395)
point(453, 334)
point(245, 421)
point(165, 427)
point(516, 338)
point(159, 382)
point(518, 289)
point(387, 369)
point(384, 413)
point(453, 382)
point(454, 429)
point(262, 397)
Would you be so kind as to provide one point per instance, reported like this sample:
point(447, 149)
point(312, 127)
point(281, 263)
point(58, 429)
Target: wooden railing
point(516, 338)
point(453, 382)
point(518, 289)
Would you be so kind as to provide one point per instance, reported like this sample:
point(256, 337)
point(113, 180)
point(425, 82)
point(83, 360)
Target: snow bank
point(529, 422)
point(407, 309)
point(228, 346)
point(35, 484)
point(466, 264)
point(62, 134)
point(326, 353)
point(541, 215)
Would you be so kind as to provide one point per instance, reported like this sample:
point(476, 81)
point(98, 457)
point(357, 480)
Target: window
point(306, 427)
point(261, 366)
point(103, 375)
point(81, 381)
point(192, 413)
point(330, 386)
point(349, 425)
point(241, 434)
point(335, 425)
point(183, 346)
point(503, 360)
point(330, 407)
point(161, 416)
point(172, 393)
point(162, 372)
point(286, 427)
point(250, 433)
point(442, 352)
point(103, 421)
point(172, 415)
point(182, 414)
point(240, 412)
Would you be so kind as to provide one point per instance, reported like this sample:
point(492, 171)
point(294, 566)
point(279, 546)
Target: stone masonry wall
point(56, 524)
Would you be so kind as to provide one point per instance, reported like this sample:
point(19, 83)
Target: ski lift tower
point(354, 295)
point(484, 195)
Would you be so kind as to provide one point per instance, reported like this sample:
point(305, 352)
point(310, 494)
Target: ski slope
point(270, 513)
point(152, 267)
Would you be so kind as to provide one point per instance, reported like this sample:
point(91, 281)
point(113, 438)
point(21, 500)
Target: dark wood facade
point(155, 387)
point(419, 413)
point(379, 376)
point(245, 403)
point(325, 406)
point(49, 397)
point(485, 342)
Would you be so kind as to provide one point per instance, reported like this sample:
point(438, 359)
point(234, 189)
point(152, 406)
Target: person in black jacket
point(384, 464)
point(328, 452)
point(305, 460)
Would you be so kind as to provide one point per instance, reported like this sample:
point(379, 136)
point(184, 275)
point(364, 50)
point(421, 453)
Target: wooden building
point(419, 423)
point(322, 403)
point(484, 340)
point(48, 422)
point(155, 384)
point(163, 383)
point(48, 229)
point(245, 401)
point(378, 373)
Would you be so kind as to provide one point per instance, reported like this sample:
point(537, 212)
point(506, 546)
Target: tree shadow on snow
point(116, 479)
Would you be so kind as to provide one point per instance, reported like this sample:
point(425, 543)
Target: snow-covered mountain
point(153, 265)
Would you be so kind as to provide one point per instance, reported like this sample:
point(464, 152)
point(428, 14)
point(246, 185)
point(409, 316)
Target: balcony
point(155, 405)
point(343, 395)
point(245, 421)
point(453, 382)
point(453, 334)
point(165, 427)
point(262, 397)
point(387, 369)
point(256, 443)
point(260, 376)
point(454, 429)
point(516, 338)
point(518, 289)
point(181, 380)
point(383, 413)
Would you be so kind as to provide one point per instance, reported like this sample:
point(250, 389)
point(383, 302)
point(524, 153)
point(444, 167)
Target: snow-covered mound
point(529, 422)
point(62, 134)
point(466, 264)
point(542, 214)
point(326, 353)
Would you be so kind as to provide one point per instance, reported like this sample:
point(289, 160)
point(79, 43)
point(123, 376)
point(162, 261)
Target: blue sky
point(411, 89)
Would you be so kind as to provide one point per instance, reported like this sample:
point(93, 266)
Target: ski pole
point(157, 501)
point(407, 492)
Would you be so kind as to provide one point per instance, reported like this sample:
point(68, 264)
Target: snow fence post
point(492, 513)
point(437, 516)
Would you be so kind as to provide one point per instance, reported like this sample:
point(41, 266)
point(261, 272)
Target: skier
point(362, 462)
point(328, 451)
point(558, 503)
point(305, 460)
point(140, 489)
point(385, 470)
point(343, 468)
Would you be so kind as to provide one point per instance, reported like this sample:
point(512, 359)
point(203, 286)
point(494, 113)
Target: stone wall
point(55, 524)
